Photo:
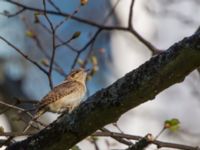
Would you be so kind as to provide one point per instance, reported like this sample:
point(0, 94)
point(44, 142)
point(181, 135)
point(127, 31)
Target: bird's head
point(78, 75)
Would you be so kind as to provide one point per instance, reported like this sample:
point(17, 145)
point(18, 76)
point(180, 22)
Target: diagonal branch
point(160, 144)
point(130, 27)
point(24, 55)
point(130, 19)
point(107, 105)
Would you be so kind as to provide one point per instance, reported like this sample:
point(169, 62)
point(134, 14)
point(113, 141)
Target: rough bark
point(107, 105)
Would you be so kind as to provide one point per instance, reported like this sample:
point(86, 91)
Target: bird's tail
point(34, 119)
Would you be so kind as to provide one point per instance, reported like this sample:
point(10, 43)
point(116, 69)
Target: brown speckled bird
point(64, 97)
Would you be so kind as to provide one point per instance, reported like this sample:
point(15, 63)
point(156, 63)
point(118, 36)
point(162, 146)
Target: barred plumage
point(64, 97)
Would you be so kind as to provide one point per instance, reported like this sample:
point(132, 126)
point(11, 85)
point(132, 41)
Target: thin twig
point(21, 110)
point(57, 37)
point(119, 139)
point(9, 15)
point(54, 5)
point(53, 46)
point(7, 141)
point(163, 129)
point(130, 19)
point(67, 18)
point(111, 11)
point(25, 56)
point(17, 108)
point(116, 125)
point(85, 47)
point(94, 24)
point(156, 142)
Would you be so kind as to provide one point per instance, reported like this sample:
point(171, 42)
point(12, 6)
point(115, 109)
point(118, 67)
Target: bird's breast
point(68, 102)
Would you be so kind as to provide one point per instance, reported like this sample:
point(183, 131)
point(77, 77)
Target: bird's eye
point(74, 73)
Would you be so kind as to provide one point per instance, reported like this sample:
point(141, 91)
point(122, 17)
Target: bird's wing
point(60, 91)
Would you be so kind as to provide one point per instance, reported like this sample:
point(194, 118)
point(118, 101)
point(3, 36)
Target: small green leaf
point(30, 34)
point(36, 13)
point(76, 35)
point(172, 124)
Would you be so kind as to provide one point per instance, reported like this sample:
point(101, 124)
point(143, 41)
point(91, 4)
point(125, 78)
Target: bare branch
point(108, 104)
point(121, 140)
point(91, 23)
point(16, 108)
point(130, 19)
point(160, 144)
point(24, 55)
point(54, 5)
point(7, 14)
point(85, 47)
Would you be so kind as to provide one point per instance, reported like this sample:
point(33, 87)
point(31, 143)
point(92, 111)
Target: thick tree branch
point(107, 105)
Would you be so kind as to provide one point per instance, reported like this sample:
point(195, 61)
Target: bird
point(64, 97)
